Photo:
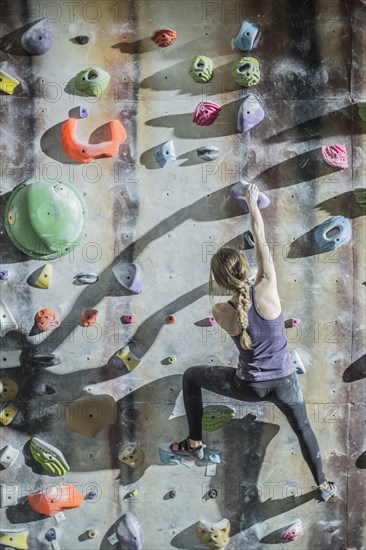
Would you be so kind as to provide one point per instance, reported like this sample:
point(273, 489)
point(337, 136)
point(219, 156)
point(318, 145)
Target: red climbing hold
point(46, 319)
point(164, 37)
point(87, 152)
point(89, 317)
point(170, 320)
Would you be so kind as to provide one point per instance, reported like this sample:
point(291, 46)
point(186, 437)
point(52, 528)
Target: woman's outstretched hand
point(251, 195)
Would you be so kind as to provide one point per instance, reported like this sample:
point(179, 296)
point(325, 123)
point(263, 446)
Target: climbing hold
point(46, 319)
point(8, 456)
point(213, 535)
point(238, 190)
point(206, 113)
point(292, 322)
point(8, 83)
point(248, 236)
point(296, 361)
point(216, 416)
point(171, 359)
point(44, 279)
point(333, 233)
point(49, 457)
point(87, 278)
point(201, 69)
point(83, 111)
point(51, 218)
point(92, 81)
point(37, 40)
point(48, 390)
point(51, 534)
point(87, 152)
point(82, 39)
point(165, 153)
point(9, 390)
point(168, 457)
point(4, 275)
point(250, 114)
point(208, 153)
point(128, 358)
point(336, 155)
point(360, 196)
point(212, 493)
point(9, 494)
point(132, 456)
point(362, 111)
point(8, 413)
point(129, 276)
point(172, 494)
point(92, 533)
point(133, 493)
point(245, 71)
point(91, 495)
point(7, 321)
point(212, 321)
point(129, 532)
point(44, 360)
point(170, 320)
point(293, 532)
point(14, 539)
point(89, 317)
point(164, 37)
point(248, 36)
point(89, 415)
point(52, 500)
point(127, 319)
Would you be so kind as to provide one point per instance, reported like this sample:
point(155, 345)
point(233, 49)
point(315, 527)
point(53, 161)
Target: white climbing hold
point(7, 321)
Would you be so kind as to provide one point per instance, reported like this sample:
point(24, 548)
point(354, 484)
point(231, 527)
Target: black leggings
point(285, 393)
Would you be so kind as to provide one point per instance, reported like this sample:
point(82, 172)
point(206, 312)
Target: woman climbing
point(265, 371)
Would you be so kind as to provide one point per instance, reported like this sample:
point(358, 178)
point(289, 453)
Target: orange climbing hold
point(164, 37)
point(89, 317)
point(170, 320)
point(52, 500)
point(87, 152)
point(46, 319)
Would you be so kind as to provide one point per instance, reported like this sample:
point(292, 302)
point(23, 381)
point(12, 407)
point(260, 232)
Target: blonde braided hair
point(229, 268)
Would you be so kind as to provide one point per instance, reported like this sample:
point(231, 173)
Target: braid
point(242, 309)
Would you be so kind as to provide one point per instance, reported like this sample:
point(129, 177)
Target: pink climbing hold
point(212, 321)
point(293, 532)
point(292, 322)
point(128, 319)
point(336, 155)
point(206, 113)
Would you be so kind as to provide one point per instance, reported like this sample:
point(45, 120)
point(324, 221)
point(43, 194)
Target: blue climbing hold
point(168, 457)
point(248, 36)
point(333, 233)
point(165, 153)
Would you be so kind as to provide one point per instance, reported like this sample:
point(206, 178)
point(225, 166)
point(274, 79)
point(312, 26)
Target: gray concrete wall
point(170, 221)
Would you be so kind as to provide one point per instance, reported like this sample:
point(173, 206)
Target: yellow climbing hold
point(7, 414)
point(14, 539)
point(128, 358)
point(45, 277)
point(11, 217)
point(8, 83)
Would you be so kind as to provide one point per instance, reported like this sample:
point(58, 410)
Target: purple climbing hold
point(38, 38)
point(4, 275)
point(83, 111)
point(238, 190)
point(129, 532)
point(250, 114)
point(51, 534)
point(129, 276)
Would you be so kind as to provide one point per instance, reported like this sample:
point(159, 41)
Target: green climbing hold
point(245, 71)
point(360, 196)
point(46, 219)
point(50, 458)
point(216, 416)
point(92, 81)
point(362, 111)
point(201, 69)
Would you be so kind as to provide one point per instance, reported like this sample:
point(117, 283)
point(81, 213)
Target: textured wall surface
point(170, 221)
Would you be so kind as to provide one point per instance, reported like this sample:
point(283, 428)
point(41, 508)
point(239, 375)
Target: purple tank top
point(270, 356)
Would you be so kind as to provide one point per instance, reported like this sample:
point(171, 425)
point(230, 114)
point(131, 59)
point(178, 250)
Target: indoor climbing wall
point(125, 126)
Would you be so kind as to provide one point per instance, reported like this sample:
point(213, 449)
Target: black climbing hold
point(212, 493)
point(82, 39)
point(172, 494)
point(45, 360)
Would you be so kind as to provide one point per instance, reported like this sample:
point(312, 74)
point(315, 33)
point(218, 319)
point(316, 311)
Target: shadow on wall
point(343, 205)
point(355, 371)
point(305, 167)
